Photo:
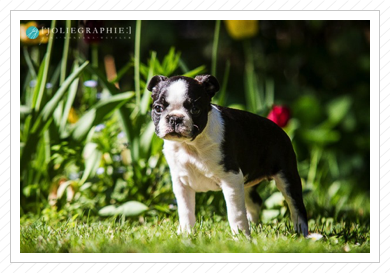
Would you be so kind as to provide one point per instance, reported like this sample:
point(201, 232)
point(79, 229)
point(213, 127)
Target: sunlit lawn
point(211, 235)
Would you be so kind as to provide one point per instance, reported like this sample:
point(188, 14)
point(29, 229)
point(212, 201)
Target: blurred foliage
point(87, 141)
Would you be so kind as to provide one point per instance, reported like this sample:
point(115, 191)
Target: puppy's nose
point(175, 120)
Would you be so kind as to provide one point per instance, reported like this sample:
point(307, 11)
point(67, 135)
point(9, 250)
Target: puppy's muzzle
point(175, 121)
point(176, 126)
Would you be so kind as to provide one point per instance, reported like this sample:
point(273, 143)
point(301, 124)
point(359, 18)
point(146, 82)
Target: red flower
point(280, 115)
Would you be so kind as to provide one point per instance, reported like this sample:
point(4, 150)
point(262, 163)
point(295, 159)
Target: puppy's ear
point(210, 84)
point(155, 80)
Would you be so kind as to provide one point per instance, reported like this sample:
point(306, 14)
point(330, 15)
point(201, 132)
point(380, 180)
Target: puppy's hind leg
point(253, 204)
point(290, 186)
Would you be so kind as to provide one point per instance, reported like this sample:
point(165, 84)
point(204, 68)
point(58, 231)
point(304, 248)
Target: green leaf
point(92, 160)
point(338, 109)
point(98, 113)
point(333, 189)
point(64, 58)
point(145, 101)
point(321, 136)
point(237, 106)
point(269, 214)
point(122, 72)
point(49, 108)
point(38, 84)
point(69, 100)
point(29, 63)
point(24, 110)
point(132, 208)
point(110, 210)
point(275, 200)
point(124, 112)
point(146, 138)
point(44, 118)
point(110, 86)
point(85, 186)
point(220, 98)
point(196, 71)
point(45, 71)
point(170, 62)
point(308, 110)
point(62, 188)
point(162, 208)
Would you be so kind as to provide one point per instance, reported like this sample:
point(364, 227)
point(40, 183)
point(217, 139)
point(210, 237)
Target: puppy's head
point(181, 105)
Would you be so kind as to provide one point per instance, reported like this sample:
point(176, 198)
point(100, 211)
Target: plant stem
point(215, 48)
point(315, 157)
point(46, 68)
point(250, 93)
point(64, 59)
point(29, 63)
point(222, 93)
point(95, 64)
point(136, 61)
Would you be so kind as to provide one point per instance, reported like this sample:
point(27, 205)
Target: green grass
point(211, 235)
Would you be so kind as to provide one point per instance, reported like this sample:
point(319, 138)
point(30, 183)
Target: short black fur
point(269, 147)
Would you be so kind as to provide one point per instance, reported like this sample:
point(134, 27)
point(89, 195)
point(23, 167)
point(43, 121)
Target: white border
point(373, 256)
point(197, 15)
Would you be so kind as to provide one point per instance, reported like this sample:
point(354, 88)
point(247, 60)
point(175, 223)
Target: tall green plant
point(52, 146)
point(39, 133)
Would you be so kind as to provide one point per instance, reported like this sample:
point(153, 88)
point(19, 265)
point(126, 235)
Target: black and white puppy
point(212, 148)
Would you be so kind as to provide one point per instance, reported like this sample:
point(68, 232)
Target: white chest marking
point(197, 163)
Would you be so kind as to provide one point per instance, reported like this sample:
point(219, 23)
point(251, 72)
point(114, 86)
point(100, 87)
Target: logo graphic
point(32, 32)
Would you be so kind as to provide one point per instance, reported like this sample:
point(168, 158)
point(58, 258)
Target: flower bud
point(280, 115)
point(242, 29)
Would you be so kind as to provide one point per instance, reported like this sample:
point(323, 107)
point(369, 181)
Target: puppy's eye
point(194, 110)
point(158, 109)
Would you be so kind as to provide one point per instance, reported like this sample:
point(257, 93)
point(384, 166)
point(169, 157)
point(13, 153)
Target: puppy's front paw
point(185, 230)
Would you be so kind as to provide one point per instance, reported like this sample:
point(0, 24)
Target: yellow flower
point(42, 38)
point(241, 29)
point(72, 117)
